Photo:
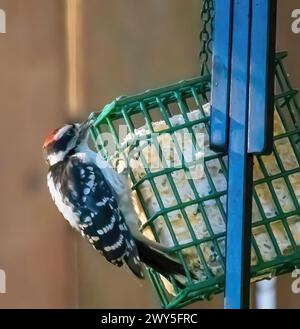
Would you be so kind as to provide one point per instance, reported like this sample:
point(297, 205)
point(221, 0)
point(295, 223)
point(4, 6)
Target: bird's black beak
point(85, 125)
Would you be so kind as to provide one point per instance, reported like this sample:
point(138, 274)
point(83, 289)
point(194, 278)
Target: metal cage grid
point(183, 98)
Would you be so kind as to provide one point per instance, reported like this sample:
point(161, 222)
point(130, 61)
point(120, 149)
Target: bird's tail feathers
point(161, 263)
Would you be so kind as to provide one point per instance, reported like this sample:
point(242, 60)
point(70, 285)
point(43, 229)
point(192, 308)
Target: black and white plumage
point(96, 201)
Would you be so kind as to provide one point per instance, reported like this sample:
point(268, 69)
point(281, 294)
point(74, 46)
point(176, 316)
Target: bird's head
point(64, 140)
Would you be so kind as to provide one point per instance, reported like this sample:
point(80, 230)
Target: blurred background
point(60, 60)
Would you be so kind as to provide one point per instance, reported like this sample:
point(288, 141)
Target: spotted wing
point(101, 221)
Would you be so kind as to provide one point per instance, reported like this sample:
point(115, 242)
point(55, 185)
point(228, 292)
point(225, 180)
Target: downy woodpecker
point(96, 201)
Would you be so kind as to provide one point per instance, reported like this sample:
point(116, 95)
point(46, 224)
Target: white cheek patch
point(54, 158)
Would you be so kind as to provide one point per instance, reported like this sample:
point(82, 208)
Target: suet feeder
point(188, 212)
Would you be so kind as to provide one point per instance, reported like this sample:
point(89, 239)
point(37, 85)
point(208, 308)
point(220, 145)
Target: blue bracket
point(221, 69)
point(262, 71)
point(242, 120)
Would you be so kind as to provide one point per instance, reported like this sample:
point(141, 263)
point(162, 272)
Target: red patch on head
point(50, 138)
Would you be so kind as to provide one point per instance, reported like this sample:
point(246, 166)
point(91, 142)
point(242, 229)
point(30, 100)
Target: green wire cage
point(182, 198)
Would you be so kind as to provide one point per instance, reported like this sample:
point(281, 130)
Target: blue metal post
point(242, 121)
point(240, 164)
